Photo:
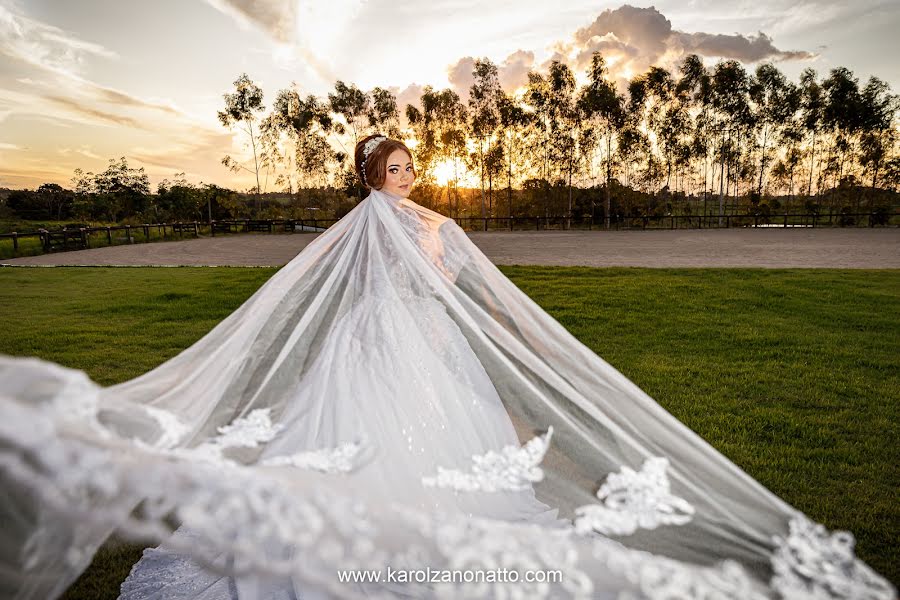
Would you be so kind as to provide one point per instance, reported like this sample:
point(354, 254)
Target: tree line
point(709, 140)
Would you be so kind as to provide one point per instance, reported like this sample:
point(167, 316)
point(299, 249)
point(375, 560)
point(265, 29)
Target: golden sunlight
point(443, 172)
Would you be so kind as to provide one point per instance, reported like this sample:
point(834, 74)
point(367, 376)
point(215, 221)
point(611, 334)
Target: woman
point(389, 400)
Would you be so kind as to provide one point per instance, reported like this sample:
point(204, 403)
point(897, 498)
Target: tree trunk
point(762, 160)
point(255, 165)
point(608, 179)
point(509, 184)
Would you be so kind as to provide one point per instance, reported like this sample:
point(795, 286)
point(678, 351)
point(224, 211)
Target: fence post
point(15, 237)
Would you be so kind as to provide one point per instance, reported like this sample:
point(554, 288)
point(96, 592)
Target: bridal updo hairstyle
point(376, 164)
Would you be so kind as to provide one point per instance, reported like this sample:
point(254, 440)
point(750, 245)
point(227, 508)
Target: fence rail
point(76, 237)
point(620, 222)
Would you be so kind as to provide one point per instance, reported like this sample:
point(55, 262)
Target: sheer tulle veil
point(390, 399)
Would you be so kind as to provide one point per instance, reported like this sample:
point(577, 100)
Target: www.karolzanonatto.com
point(428, 575)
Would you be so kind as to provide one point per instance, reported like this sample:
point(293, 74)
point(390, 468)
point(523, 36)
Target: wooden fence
point(75, 237)
point(622, 222)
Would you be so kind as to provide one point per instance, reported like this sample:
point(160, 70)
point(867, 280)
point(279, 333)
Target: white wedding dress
point(389, 399)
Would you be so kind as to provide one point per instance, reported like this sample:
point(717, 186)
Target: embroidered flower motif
point(173, 430)
point(246, 432)
point(810, 564)
point(326, 460)
point(511, 469)
point(632, 500)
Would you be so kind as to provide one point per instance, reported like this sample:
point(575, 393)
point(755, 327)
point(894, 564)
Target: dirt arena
point(772, 248)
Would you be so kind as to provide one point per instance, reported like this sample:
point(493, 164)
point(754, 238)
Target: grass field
point(793, 374)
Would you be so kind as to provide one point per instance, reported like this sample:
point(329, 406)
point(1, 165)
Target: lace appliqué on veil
point(511, 469)
point(245, 432)
point(172, 429)
point(326, 460)
point(810, 564)
point(634, 499)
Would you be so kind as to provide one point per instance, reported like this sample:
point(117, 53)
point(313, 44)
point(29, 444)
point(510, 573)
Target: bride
point(389, 403)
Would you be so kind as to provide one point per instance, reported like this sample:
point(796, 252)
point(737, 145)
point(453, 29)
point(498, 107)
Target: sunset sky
point(83, 82)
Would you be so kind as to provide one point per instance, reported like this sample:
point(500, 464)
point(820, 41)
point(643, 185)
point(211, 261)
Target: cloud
point(460, 77)
point(512, 73)
point(189, 145)
point(84, 150)
point(53, 52)
point(276, 17)
point(75, 106)
point(411, 94)
point(113, 96)
point(44, 45)
point(739, 47)
point(633, 39)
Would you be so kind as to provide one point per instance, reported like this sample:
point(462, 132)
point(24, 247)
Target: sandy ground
point(821, 248)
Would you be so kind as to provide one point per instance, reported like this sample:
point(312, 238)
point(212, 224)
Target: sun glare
point(443, 172)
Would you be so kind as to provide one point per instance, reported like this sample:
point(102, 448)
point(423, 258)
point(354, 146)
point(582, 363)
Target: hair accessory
point(367, 150)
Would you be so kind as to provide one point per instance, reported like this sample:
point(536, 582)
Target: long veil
point(390, 399)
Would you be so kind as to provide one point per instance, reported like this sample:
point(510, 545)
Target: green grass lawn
point(793, 374)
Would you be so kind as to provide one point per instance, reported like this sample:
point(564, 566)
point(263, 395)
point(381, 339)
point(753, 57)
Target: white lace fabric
point(389, 398)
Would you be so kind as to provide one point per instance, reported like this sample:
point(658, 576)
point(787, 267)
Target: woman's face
point(399, 177)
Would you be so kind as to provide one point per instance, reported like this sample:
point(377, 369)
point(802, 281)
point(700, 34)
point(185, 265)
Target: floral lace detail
point(173, 430)
point(810, 564)
point(245, 432)
point(512, 469)
point(264, 527)
point(634, 499)
point(326, 460)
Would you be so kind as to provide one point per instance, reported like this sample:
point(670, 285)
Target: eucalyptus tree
point(382, 113)
point(696, 85)
point(731, 115)
point(540, 110)
point(842, 119)
point(643, 113)
point(813, 109)
point(776, 100)
point(513, 121)
point(354, 106)
point(785, 169)
point(241, 107)
point(599, 102)
point(440, 128)
point(484, 114)
point(650, 104)
point(308, 122)
point(565, 120)
point(878, 132)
